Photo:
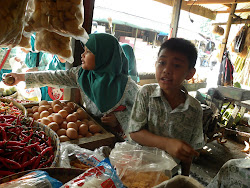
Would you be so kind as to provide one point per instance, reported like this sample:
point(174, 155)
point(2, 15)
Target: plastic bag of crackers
point(140, 166)
point(64, 17)
point(12, 22)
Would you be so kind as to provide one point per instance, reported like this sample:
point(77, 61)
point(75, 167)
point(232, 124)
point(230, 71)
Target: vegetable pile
point(9, 109)
point(23, 146)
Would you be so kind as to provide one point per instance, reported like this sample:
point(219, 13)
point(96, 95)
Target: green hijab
point(129, 53)
point(105, 84)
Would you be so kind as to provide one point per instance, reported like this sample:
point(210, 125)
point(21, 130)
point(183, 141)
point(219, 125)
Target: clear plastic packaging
point(12, 20)
point(54, 43)
point(64, 17)
point(70, 152)
point(101, 176)
point(34, 179)
point(139, 166)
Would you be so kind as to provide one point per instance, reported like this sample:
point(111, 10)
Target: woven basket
point(61, 174)
point(18, 105)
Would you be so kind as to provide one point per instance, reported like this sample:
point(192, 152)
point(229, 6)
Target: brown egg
point(39, 120)
point(41, 108)
point(71, 105)
point(29, 110)
point(58, 118)
point(50, 110)
point(63, 113)
point(64, 138)
point(64, 125)
point(45, 121)
point(83, 129)
point(80, 136)
point(43, 102)
point(82, 114)
point(91, 122)
point(30, 115)
point(77, 115)
point(55, 102)
point(93, 128)
point(50, 117)
point(57, 108)
point(89, 134)
point(48, 106)
point(97, 134)
point(78, 123)
point(44, 114)
point(72, 133)
point(60, 132)
point(35, 108)
point(71, 118)
point(68, 109)
point(72, 125)
point(36, 115)
point(54, 126)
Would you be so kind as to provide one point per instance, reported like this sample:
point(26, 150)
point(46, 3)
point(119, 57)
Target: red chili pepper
point(36, 163)
point(46, 162)
point(49, 141)
point(50, 149)
point(11, 143)
point(6, 173)
point(28, 137)
point(4, 135)
point(30, 162)
point(14, 164)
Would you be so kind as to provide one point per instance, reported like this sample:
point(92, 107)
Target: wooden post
point(74, 93)
point(229, 23)
point(175, 18)
point(135, 38)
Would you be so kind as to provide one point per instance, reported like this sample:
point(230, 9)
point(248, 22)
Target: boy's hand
point(181, 150)
point(110, 120)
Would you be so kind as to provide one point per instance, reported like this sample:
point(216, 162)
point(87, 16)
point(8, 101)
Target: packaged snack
point(36, 179)
point(101, 176)
point(55, 44)
point(64, 17)
point(12, 20)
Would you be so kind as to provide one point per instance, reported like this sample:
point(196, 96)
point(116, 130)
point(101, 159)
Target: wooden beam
point(175, 18)
point(201, 11)
point(203, 2)
point(235, 21)
point(228, 11)
point(229, 22)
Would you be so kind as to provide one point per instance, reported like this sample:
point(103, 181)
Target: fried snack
point(78, 164)
point(64, 17)
point(12, 16)
point(55, 44)
point(135, 179)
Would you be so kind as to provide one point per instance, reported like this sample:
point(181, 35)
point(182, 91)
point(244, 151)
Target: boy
point(164, 115)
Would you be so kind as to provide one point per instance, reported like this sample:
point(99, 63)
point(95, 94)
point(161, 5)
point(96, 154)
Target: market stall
point(60, 142)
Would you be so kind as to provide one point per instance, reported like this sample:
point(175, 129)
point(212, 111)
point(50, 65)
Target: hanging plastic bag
point(64, 17)
point(55, 44)
point(12, 20)
point(240, 40)
point(140, 165)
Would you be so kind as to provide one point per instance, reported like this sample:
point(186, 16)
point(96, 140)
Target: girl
point(106, 89)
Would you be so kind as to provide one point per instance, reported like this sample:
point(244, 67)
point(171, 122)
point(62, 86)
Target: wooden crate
point(93, 142)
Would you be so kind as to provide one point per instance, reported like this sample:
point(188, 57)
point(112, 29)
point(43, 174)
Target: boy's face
point(172, 69)
point(88, 60)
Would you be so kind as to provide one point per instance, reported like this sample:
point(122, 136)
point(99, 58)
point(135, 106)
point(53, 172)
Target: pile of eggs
point(66, 119)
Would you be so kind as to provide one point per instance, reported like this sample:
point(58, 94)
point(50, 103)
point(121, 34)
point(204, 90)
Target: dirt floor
point(212, 157)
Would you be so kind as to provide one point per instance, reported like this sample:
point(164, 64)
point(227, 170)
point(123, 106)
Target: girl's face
point(88, 60)
point(172, 69)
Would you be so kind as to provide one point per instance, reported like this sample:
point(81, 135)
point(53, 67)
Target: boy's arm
point(176, 148)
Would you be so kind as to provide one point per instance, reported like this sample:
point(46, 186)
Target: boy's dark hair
point(182, 46)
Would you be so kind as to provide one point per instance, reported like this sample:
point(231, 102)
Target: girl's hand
point(181, 150)
point(32, 69)
point(110, 120)
point(12, 79)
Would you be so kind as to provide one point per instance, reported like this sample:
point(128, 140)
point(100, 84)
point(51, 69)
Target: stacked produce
point(23, 146)
point(67, 119)
point(7, 91)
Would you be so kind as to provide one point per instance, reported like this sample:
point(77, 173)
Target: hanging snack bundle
point(56, 44)
point(12, 19)
point(64, 17)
